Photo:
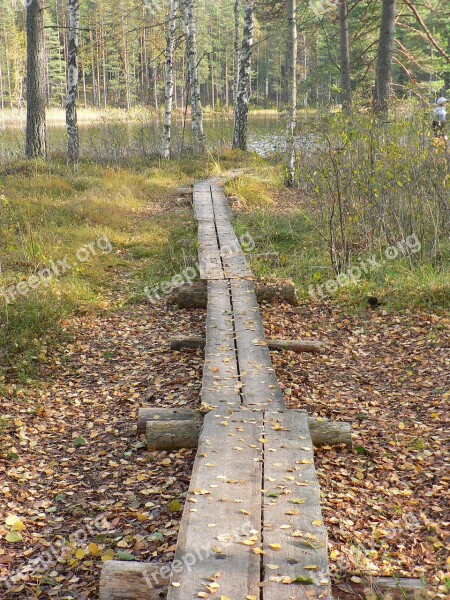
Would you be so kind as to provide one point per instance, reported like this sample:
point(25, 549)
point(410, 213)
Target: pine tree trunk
point(36, 134)
point(73, 148)
point(292, 91)
point(192, 54)
point(346, 85)
point(169, 83)
point(242, 100)
point(384, 65)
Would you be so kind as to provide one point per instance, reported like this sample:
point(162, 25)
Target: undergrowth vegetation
point(361, 191)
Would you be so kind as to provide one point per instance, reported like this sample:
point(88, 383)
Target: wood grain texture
point(127, 580)
point(220, 372)
point(222, 510)
point(292, 514)
point(165, 414)
point(260, 385)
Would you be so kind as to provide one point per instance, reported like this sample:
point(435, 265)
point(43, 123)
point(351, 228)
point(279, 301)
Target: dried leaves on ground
point(78, 488)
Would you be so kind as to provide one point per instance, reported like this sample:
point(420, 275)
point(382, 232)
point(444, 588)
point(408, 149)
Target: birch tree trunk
point(194, 82)
point(73, 146)
point(384, 64)
point(36, 133)
point(292, 91)
point(237, 25)
point(241, 108)
point(169, 83)
point(346, 85)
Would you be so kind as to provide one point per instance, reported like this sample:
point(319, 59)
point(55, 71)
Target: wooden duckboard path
point(252, 527)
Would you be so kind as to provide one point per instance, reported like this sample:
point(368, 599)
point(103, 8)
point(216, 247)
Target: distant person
point(440, 115)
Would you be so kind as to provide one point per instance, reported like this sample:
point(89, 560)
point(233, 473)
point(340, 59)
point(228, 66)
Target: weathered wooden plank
point(220, 203)
point(233, 258)
point(220, 372)
point(222, 511)
point(292, 514)
point(260, 386)
point(210, 261)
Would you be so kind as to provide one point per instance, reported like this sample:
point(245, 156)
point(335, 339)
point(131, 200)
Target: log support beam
point(196, 296)
point(193, 343)
point(127, 580)
point(168, 429)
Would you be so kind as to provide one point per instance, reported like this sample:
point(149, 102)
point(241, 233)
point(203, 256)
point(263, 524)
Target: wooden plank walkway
point(252, 525)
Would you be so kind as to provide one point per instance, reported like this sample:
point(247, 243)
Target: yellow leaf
point(272, 567)
point(258, 550)
point(311, 567)
point(93, 549)
point(108, 555)
point(317, 522)
point(275, 546)
point(80, 553)
point(15, 523)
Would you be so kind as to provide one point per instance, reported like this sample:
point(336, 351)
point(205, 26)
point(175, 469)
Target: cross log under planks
point(252, 526)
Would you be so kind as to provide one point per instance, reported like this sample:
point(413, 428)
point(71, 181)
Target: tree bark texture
point(292, 91)
point(36, 133)
point(385, 51)
point(243, 96)
point(194, 82)
point(169, 80)
point(73, 145)
point(346, 85)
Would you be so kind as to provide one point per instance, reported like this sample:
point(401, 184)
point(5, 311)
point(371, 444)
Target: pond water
point(116, 140)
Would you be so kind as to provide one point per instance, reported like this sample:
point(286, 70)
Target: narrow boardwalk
point(252, 521)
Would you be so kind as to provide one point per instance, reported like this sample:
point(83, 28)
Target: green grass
point(49, 213)
point(305, 260)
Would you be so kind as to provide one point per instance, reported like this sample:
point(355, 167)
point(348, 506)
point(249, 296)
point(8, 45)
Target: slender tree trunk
point(192, 53)
point(242, 101)
point(169, 85)
point(73, 147)
point(292, 91)
point(36, 134)
point(237, 25)
point(346, 85)
point(385, 51)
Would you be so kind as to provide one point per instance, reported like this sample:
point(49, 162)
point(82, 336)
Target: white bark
point(243, 97)
point(292, 88)
point(237, 24)
point(169, 79)
point(73, 147)
point(194, 82)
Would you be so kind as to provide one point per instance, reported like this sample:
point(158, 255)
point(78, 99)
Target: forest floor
point(78, 487)
point(83, 491)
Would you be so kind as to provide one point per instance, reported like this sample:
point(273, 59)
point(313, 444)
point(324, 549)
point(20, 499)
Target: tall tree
point(291, 123)
point(237, 25)
point(346, 85)
point(385, 51)
point(36, 133)
point(169, 79)
point(73, 146)
point(243, 95)
point(194, 82)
